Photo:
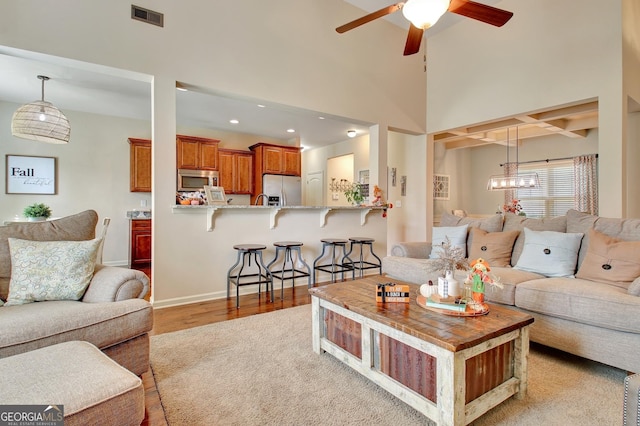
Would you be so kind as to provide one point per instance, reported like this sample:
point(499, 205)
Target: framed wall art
point(31, 175)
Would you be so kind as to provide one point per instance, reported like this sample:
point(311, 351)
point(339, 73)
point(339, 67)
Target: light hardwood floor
point(193, 315)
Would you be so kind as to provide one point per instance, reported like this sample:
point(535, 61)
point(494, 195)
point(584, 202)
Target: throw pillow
point(50, 270)
point(494, 247)
point(457, 237)
point(610, 260)
point(550, 253)
point(514, 222)
point(491, 223)
point(80, 226)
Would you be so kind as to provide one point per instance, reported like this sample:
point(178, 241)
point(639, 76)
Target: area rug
point(261, 370)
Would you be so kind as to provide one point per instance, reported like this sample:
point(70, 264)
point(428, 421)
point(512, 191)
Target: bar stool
point(362, 264)
point(335, 266)
point(245, 251)
point(289, 247)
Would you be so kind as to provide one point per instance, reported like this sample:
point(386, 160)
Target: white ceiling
point(76, 86)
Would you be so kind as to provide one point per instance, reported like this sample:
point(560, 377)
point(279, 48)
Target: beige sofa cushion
point(514, 222)
point(610, 260)
point(494, 247)
point(81, 226)
point(510, 279)
point(490, 224)
point(587, 302)
point(624, 229)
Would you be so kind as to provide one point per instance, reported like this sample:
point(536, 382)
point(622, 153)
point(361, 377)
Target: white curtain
point(586, 183)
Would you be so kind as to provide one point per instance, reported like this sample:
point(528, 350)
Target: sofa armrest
point(416, 250)
point(111, 284)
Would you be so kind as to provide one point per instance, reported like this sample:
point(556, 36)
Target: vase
point(36, 219)
point(478, 297)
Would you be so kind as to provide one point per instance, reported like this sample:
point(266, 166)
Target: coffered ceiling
point(572, 121)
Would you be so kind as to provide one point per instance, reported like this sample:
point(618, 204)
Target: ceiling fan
point(424, 13)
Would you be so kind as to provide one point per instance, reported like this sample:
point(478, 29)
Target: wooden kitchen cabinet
point(276, 159)
point(139, 165)
point(140, 247)
point(273, 159)
point(197, 153)
point(236, 171)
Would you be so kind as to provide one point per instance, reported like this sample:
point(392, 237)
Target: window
point(556, 194)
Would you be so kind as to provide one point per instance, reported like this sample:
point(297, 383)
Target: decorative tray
point(471, 311)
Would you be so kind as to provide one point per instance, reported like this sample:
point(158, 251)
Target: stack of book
point(449, 303)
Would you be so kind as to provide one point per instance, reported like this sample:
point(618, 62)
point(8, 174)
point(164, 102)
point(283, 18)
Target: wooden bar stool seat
point(236, 276)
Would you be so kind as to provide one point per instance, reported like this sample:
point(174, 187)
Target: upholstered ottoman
point(632, 400)
point(92, 387)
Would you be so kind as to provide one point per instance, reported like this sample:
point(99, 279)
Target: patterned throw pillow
point(457, 236)
point(494, 247)
point(610, 260)
point(550, 253)
point(50, 270)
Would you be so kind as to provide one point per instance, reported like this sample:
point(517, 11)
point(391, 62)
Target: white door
point(313, 189)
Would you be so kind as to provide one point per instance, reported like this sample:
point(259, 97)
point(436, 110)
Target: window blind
point(556, 192)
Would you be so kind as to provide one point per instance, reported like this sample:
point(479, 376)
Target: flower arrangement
point(449, 258)
point(514, 207)
point(37, 210)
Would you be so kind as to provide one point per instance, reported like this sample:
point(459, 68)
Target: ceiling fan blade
point(480, 12)
point(413, 40)
point(370, 17)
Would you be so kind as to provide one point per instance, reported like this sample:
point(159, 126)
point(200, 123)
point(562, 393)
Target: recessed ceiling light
point(291, 130)
point(320, 118)
point(234, 121)
point(261, 106)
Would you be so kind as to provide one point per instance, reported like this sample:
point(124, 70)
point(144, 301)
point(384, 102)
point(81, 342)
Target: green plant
point(37, 210)
point(354, 194)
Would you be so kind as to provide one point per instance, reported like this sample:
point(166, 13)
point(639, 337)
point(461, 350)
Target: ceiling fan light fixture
point(41, 121)
point(424, 13)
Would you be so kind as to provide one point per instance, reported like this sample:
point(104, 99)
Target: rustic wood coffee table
point(451, 369)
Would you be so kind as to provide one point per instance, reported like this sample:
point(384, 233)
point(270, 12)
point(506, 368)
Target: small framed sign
point(215, 195)
point(31, 175)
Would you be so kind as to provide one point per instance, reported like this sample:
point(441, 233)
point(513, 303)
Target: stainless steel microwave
point(195, 180)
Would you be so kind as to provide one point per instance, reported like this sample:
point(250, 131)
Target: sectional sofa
point(578, 275)
point(110, 312)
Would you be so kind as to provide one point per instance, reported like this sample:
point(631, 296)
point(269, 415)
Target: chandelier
point(513, 180)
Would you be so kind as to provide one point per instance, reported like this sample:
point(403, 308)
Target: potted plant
point(354, 194)
point(37, 212)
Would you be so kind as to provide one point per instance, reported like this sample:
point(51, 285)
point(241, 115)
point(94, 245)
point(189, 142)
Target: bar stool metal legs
point(289, 265)
point(263, 276)
point(337, 264)
point(361, 264)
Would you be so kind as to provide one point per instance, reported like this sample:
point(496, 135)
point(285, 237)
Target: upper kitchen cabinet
point(236, 171)
point(139, 165)
point(276, 159)
point(197, 153)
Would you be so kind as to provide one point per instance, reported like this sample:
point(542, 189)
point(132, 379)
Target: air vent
point(145, 15)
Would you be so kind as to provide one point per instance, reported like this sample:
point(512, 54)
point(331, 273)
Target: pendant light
point(41, 121)
point(513, 181)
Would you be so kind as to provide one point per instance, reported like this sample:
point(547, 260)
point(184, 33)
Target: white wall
point(282, 51)
point(93, 173)
point(550, 53)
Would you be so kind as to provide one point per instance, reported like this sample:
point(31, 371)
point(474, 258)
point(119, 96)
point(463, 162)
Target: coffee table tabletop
point(449, 332)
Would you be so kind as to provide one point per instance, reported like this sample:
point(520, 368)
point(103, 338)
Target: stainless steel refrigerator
point(282, 190)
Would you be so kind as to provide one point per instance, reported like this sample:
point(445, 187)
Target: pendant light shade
point(41, 121)
point(515, 180)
